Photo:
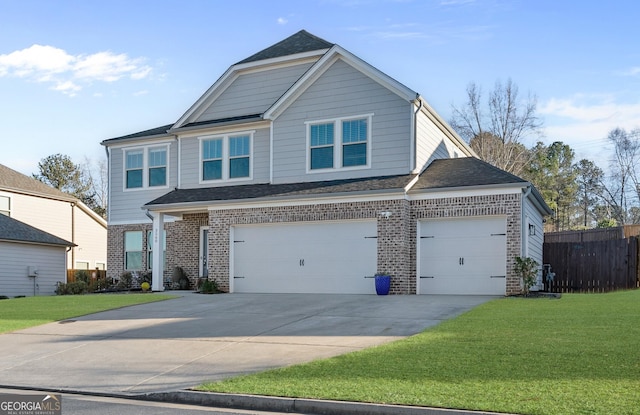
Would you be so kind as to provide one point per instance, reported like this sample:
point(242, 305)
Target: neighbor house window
point(342, 143)
point(158, 166)
point(5, 205)
point(146, 167)
point(133, 250)
point(82, 264)
point(101, 265)
point(150, 249)
point(226, 157)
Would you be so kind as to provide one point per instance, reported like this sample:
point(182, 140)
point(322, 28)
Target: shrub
point(527, 269)
point(126, 279)
point(82, 275)
point(208, 287)
point(145, 277)
point(72, 288)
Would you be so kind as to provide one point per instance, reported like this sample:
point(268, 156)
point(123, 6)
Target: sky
point(76, 72)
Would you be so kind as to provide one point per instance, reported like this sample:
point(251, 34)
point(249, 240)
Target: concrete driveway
point(179, 343)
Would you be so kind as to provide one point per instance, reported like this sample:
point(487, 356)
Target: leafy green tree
point(60, 172)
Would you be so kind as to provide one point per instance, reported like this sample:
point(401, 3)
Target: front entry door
point(204, 252)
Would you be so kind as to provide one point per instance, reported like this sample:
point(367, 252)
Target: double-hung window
point(146, 167)
point(134, 168)
point(226, 157)
point(343, 143)
point(133, 250)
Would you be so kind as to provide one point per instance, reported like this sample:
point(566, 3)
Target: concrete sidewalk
point(176, 344)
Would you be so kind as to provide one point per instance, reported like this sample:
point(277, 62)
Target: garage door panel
point(327, 257)
point(463, 256)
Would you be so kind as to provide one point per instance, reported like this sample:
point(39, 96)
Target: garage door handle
point(498, 276)
point(498, 234)
point(426, 277)
point(369, 276)
point(236, 278)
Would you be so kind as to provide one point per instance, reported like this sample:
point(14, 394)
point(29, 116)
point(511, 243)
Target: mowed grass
point(20, 313)
point(576, 355)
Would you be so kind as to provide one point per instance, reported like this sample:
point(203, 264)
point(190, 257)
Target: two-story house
point(50, 210)
point(303, 169)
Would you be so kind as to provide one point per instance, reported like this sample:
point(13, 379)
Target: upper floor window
point(342, 143)
point(226, 157)
point(146, 167)
point(5, 205)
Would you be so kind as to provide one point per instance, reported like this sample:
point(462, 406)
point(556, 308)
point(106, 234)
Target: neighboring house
point(304, 169)
point(33, 202)
point(32, 262)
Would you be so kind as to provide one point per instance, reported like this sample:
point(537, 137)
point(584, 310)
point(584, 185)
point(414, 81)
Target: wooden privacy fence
point(99, 274)
point(595, 266)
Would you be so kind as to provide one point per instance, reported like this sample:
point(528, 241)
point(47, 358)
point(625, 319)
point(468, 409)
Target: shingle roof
point(461, 172)
point(13, 180)
point(255, 191)
point(162, 130)
point(14, 230)
point(299, 42)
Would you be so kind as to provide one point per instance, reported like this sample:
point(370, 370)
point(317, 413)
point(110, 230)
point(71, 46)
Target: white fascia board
point(145, 141)
point(488, 190)
point(324, 63)
point(138, 222)
point(446, 128)
point(219, 129)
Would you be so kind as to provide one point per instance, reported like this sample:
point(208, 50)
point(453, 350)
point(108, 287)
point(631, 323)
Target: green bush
point(72, 288)
point(208, 287)
point(527, 270)
point(145, 277)
point(83, 275)
point(126, 278)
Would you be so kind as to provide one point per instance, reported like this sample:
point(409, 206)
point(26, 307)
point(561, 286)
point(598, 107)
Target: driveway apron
point(180, 343)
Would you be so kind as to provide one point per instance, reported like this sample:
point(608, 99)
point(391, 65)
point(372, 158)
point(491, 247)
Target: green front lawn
point(576, 355)
point(20, 313)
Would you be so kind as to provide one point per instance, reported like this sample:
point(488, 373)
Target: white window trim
point(225, 157)
point(145, 167)
point(10, 203)
point(337, 143)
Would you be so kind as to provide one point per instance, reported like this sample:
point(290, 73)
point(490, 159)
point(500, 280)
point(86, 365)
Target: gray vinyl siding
point(343, 91)
point(432, 143)
point(254, 93)
point(190, 163)
point(534, 241)
point(17, 257)
point(126, 206)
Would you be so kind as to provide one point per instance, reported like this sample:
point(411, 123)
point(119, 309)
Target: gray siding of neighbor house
point(343, 91)
point(534, 242)
point(190, 163)
point(17, 257)
point(432, 143)
point(126, 206)
point(253, 93)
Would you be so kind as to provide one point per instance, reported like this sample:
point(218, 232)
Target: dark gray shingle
point(299, 42)
point(14, 230)
point(461, 172)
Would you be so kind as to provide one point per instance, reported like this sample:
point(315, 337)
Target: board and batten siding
point(190, 163)
point(17, 257)
point(126, 206)
point(343, 91)
point(254, 92)
point(432, 143)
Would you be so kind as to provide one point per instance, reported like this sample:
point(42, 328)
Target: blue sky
point(73, 73)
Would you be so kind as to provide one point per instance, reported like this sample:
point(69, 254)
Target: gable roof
point(281, 191)
point(299, 42)
point(14, 181)
point(462, 172)
point(14, 230)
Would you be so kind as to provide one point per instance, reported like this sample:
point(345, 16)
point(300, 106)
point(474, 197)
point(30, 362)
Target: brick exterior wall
point(397, 233)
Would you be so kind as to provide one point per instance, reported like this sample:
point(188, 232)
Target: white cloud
point(282, 21)
point(69, 73)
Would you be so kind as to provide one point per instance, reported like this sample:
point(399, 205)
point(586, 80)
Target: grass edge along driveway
point(21, 313)
point(576, 355)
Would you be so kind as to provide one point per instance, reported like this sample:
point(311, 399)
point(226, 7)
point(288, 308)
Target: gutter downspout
point(415, 133)
point(522, 216)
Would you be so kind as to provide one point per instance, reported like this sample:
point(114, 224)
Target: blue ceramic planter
point(383, 283)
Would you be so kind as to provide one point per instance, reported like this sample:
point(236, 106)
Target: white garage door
point(462, 256)
point(317, 257)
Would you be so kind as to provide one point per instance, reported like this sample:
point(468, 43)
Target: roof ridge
point(299, 42)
